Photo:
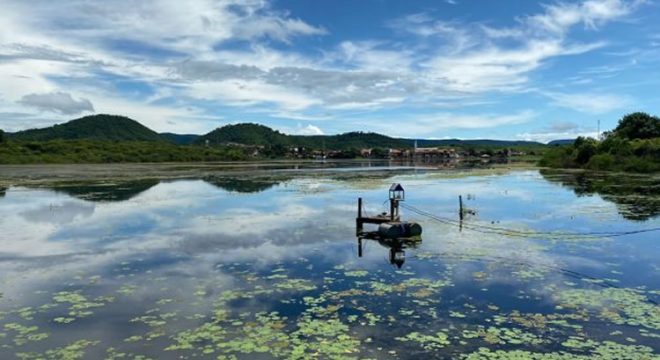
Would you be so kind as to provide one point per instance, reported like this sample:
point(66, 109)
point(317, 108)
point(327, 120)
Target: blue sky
point(423, 69)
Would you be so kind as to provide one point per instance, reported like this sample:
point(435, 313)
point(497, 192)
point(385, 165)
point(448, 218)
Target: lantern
point(397, 192)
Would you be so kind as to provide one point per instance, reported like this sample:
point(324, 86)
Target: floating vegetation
point(24, 334)
point(205, 293)
point(428, 342)
point(79, 306)
point(501, 335)
point(296, 284)
point(127, 289)
point(73, 351)
point(617, 305)
point(607, 350)
point(356, 273)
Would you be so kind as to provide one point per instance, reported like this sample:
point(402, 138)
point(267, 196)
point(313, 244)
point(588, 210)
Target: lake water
point(267, 266)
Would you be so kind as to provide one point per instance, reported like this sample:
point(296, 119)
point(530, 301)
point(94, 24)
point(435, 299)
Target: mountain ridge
point(121, 128)
point(92, 127)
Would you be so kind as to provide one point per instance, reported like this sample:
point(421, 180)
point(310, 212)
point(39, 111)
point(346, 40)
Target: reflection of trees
point(3, 191)
point(233, 184)
point(636, 196)
point(107, 192)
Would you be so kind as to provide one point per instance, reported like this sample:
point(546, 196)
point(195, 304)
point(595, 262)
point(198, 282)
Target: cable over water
point(487, 229)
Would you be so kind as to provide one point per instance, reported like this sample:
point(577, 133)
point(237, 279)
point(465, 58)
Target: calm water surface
point(268, 266)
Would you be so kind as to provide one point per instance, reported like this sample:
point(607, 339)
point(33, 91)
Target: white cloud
point(559, 17)
point(591, 103)
point(250, 92)
point(58, 102)
point(434, 123)
point(546, 137)
point(302, 130)
point(181, 55)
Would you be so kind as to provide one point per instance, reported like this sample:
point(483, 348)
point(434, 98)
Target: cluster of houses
point(427, 154)
point(424, 154)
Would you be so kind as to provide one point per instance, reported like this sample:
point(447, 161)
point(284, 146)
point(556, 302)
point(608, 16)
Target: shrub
point(638, 125)
point(601, 162)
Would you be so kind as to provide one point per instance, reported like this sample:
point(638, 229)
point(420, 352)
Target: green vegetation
point(255, 134)
point(634, 145)
point(94, 127)
point(103, 151)
point(633, 194)
point(180, 139)
point(116, 139)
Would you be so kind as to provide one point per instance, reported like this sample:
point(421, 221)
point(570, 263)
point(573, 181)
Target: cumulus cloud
point(58, 102)
point(563, 126)
point(433, 123)
point(443, 61)
point(545, 137)
point(591, 103)
point(309, 129)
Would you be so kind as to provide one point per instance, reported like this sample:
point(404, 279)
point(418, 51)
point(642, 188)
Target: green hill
point(254, 134)
point(180, 139)
point(94, 127)
point(561, 142)
point(246, 134)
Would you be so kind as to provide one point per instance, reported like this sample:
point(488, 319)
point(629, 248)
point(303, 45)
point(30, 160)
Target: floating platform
point(390, 226)
point(399, 229)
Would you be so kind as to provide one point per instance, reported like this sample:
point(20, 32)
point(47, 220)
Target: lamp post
point(396, 194)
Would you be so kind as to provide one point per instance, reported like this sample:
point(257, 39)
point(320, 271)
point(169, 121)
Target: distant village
point(424, 154)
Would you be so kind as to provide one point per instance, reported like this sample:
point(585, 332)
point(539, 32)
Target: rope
point(486, 229)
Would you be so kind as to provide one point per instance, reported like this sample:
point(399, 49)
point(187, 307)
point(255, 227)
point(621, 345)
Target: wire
point(523, 233)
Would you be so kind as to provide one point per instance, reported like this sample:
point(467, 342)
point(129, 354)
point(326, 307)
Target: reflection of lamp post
point(396, 194)
point(397, 257)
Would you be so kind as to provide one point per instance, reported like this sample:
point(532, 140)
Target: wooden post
point(358, 220)
point(392, 206)
point(359, 247)
point(460, 207)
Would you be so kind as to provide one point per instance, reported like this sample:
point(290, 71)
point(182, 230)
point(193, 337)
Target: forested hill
point(120, 128)
point(246, 134)
point(180, 139)
point(94, 127)
point(254, 134)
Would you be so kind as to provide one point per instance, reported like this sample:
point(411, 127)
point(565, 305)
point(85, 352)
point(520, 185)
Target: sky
point(507, 69)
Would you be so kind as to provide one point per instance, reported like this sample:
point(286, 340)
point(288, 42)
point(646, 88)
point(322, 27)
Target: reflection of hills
point(635, 196)
point(107, 192)
point(233, 184)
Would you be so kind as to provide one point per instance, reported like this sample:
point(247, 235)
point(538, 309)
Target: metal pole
point(392, 209)
point(460, 207)
point(358, 220)
point(359, 247)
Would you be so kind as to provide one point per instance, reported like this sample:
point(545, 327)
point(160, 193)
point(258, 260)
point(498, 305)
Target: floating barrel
point(403, 229)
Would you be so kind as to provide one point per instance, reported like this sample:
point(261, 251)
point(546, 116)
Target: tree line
point(634, 145)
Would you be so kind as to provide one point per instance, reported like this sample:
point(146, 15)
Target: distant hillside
point(180, 139)
point(247, 134)
point(476, 142)
point(120, 128)
point(254, 134)
point(94, 127)
point(561, 142)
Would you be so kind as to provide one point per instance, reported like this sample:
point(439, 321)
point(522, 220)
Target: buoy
point(399, 229)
